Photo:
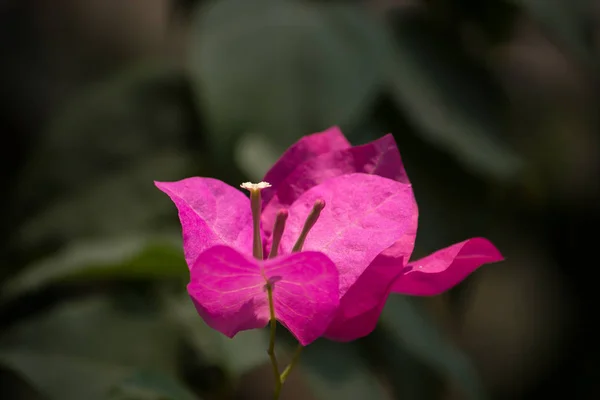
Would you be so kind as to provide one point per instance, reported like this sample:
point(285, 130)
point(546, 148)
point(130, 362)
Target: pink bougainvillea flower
point(351, 212)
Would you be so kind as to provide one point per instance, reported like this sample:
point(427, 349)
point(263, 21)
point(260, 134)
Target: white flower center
point(255, 186)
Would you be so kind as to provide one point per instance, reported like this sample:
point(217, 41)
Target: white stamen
point(255, 186)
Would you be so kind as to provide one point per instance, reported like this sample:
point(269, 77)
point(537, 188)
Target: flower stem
point(279, 378)
point(271, 349)
point(292, 363)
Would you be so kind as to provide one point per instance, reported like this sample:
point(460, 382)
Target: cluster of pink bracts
point(353, 252)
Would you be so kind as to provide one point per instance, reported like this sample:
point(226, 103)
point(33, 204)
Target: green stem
point(279, 378)
point(271, 349)
point(292, 363)
point(282, 378)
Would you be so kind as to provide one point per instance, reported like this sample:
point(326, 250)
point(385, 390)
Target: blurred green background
point(493, 103)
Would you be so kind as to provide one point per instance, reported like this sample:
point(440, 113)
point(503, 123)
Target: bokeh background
point(493, 103)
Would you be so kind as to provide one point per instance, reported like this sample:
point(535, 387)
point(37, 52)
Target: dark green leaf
point(150, 257)
point(238, 355)
point(92, 169)
point(420, 337)
point(80, 350)
point(409, 378)
point(567, 22)
point(454, 102)
point(337, 371)
point(282, 68)
point(150, 385)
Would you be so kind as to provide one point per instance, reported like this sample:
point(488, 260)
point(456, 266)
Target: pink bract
point(353, 257)
point(445, 268)
point(211, 213)
point(229, 291)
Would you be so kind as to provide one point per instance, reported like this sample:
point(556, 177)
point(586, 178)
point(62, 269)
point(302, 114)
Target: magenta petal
point(445, 268)
point(356, 327)
point(211, 213)
point(305, 293)
point(364, 215)
point(228, 291)
point(362, 304)
point(303, 150)
point(380, 157)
